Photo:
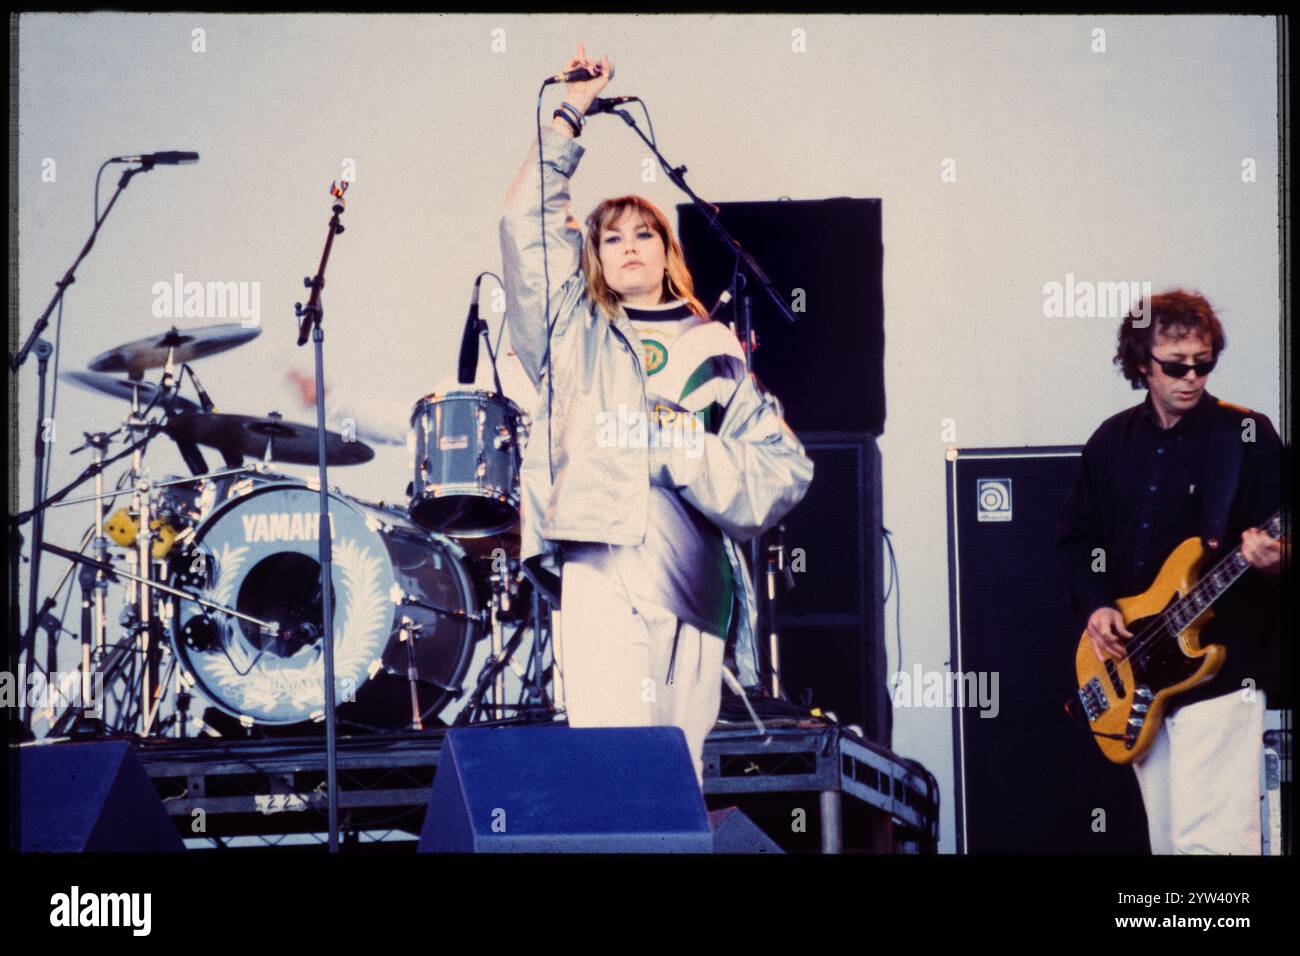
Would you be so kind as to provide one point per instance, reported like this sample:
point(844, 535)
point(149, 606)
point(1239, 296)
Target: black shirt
point(1140, 493)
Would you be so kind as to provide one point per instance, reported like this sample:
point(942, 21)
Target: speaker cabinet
point(90, 798)
point(555, 789)
point(1030, 779)
point(825, 258)
point(831, 627)
point(733, 832)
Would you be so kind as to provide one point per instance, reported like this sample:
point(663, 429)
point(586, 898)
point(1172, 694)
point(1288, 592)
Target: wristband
point(576, 113)
point(577, 130)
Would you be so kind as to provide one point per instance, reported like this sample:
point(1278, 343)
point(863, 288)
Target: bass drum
point(181, 505)
point(402, 598)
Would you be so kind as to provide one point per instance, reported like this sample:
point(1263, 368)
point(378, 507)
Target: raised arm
point(525, 266)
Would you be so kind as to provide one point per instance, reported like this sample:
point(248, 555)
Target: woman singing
point(652, 453)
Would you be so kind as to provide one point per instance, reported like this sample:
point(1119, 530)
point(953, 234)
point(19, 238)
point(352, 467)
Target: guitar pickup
point(1134, 727)
point(1116, 681)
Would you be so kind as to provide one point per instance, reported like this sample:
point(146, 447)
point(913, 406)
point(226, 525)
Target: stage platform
point(223, 792)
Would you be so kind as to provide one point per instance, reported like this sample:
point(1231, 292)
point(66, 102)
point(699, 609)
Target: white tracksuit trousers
point(615, 663)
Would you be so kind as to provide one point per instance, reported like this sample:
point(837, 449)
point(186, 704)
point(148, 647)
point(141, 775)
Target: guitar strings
point(1160, 627)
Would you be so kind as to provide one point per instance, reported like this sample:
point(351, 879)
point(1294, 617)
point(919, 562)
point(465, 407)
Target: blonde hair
point(677, 282)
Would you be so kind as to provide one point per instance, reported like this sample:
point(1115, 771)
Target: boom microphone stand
point(43, 350)
point(309, 323)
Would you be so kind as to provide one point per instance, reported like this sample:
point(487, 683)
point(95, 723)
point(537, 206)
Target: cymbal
point(184, 345)
point(123, 388)
point(290, 442)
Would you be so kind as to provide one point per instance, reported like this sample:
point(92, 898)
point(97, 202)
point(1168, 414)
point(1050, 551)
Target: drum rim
point(272, 485)
point(497, 397)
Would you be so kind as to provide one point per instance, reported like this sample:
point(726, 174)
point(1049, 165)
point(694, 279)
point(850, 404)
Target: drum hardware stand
point(487, 677)
point(310, 317)
point(536, 689)
point(183, 698)
point(94, 585)
point(98, 442)
point(159, 692)
point(445, 612)
point(122, 652)
point(409, 632)
point(207, 476)
point(112, 663)
point(57, 499)
point(546, 594)
point(500, 581)
point(776, 564)
point(142, 559)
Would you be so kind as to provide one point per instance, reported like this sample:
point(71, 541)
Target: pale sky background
point(1122, 165)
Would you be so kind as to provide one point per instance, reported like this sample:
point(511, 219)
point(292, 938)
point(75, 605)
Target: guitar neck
point(1212, 585)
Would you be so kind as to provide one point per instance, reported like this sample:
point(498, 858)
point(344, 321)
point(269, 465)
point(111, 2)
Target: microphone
point(169, 157)
point(603, 104)
point(300, 634)
point(723, 299)
point(575, 76)
point(468, 369)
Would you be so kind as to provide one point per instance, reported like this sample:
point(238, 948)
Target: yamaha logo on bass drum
point(283, 526)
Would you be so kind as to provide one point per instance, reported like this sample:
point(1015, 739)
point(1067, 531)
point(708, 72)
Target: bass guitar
point(1125, 700)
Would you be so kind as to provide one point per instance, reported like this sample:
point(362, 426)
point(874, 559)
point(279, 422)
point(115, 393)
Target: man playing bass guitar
point(1183, 464)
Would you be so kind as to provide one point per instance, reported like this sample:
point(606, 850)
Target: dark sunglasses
point(1179, 370)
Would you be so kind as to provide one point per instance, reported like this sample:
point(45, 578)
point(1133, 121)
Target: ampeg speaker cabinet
point(825, 258)
point(1028, 778)
point(831, 625)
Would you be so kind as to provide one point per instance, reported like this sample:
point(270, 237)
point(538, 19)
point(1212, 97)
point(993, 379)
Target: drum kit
point(221, 582)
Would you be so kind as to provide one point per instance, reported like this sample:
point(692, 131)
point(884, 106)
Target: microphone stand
point(309, 322)
point(749, 265)
point(749, 276)
point(487, 340)
point(27, 639)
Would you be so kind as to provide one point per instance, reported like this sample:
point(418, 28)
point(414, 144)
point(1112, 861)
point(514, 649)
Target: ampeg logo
point(994, 499)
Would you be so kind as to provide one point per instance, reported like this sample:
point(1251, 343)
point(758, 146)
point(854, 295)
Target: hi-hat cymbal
point(289, 442)
point(123, 388)
point(183, 346)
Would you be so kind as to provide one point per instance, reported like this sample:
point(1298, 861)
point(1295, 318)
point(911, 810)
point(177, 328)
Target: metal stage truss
point(219, 789)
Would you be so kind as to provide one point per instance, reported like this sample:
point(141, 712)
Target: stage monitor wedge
point(90, 798)
point(555, 789)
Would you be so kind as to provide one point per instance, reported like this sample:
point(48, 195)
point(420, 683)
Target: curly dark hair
point(1176, 314)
